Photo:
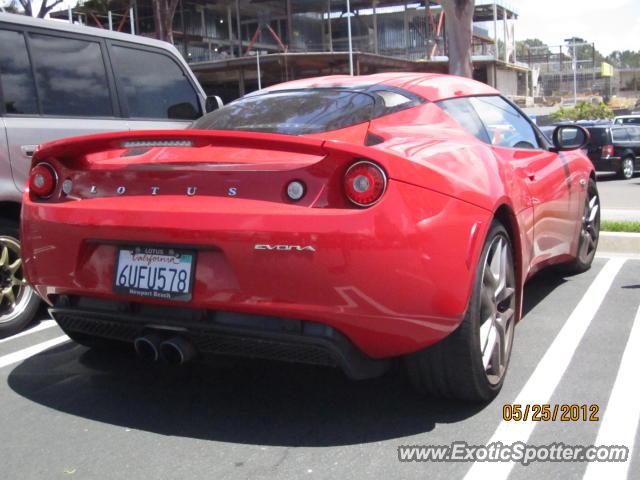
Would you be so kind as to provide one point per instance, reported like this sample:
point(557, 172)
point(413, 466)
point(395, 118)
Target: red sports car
point(341, 221)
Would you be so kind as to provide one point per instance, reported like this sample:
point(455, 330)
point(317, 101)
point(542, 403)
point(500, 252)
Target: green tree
point(531, 46)
point(624, 59)
point(584, 52)
point(582, 111)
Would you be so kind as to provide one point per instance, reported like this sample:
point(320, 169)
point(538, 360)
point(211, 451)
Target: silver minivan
point(60, 80)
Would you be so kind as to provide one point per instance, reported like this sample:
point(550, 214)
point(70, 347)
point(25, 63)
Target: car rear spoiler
point(75, 150)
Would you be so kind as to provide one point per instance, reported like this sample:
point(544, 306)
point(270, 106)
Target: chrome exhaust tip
point(147, 347)
point(177, 351)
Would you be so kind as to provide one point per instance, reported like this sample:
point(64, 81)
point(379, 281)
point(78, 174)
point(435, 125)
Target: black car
point(615, 148)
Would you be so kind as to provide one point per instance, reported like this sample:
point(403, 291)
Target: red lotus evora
point(337, 221)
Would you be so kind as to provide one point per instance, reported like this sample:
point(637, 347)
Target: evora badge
point(285, 248)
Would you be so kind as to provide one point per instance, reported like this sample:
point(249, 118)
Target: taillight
point(364, 183)
point(607, 150)
point(43, 180)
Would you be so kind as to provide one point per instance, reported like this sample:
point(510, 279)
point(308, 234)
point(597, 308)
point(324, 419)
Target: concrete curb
point(619, 243)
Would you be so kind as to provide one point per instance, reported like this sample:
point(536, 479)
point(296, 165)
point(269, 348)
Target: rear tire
point(626, 168)
point(470, 364)
point(18, 301)
point(589, 232)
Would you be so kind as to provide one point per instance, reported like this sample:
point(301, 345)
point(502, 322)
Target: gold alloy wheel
point(15, 294)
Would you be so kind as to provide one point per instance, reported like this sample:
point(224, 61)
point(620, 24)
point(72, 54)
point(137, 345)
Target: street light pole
point(349, 35)
point(572, 44)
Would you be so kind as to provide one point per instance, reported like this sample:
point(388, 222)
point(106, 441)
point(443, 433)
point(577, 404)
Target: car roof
point(79, 29)
point(628, 116)
point(431, 86)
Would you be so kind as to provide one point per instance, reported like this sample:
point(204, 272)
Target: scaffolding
point(573, 71)
point(220, 38)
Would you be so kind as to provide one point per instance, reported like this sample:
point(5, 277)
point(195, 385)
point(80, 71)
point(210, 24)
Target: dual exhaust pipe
point(174, 351)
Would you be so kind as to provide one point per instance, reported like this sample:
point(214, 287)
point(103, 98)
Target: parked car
point(60, 80)
point(627, 119)
point(615, 148)
point(338, 221)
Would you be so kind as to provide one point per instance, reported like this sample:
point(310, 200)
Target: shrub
point(582, 111)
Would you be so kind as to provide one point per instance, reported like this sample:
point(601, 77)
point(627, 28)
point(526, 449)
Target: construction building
point(237, 46)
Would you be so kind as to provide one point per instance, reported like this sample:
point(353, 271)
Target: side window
point(71, 77)
point(505, 125)
point(154, 85)
point(463, 113)
point(16, 79)
point(619, 134)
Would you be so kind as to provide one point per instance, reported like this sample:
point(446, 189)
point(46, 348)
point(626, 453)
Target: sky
point(610, 24)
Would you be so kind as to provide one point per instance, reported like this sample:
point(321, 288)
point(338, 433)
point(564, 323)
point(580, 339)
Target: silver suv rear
point(59, 80)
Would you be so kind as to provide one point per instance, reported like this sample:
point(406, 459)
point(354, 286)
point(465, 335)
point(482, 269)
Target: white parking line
point(621, 418)
point(38, 328)
point(30, 351)
point(547, 375)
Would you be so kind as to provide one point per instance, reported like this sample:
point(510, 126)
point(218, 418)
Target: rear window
point(634, 134)
point(71, 76)
point(16, 78)
point(293, 112)
point(631, 120)
point(599, 136)
point(620, 134)
point(154, 85)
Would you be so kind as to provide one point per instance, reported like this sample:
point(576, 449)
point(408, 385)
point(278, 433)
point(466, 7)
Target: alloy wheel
point(627, 168)
point(15, 294)
point(497, 309)
point(590, 230)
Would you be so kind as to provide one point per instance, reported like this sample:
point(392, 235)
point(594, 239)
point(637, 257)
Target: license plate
point(155, 272)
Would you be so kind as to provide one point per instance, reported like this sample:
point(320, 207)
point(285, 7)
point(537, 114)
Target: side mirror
point(214, 102)
point(570, 137)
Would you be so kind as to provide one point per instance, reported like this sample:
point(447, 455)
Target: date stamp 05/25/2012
point(550, 413)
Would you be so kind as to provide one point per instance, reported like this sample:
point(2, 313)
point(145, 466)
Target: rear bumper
point(393, 278)
point(218, 332)
point(606, 164)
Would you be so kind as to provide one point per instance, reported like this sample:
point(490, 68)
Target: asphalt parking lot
point(70, 412)
point(620, 198)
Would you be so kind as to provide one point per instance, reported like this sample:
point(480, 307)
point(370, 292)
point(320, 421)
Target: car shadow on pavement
point(239, 400)
point(539, 287)
point(231, 400)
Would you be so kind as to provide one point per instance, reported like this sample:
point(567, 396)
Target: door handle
point(28, 150)
point(530, 175)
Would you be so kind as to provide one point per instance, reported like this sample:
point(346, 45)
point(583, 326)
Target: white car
point(627, 119)
point(59, 80)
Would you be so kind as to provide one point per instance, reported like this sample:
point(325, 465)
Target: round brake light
point(43, 180)
point(364, 183)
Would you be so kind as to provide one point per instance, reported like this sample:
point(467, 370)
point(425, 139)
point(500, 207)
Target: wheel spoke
point(593, 212)
point(584, 245)
point(485, 329)
point(4, 256)
point(13, 268)
point(487, 353)
point(488, 278)
point(506, 293)
point(498, 356)
point(498, 266)
point(8, 294)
